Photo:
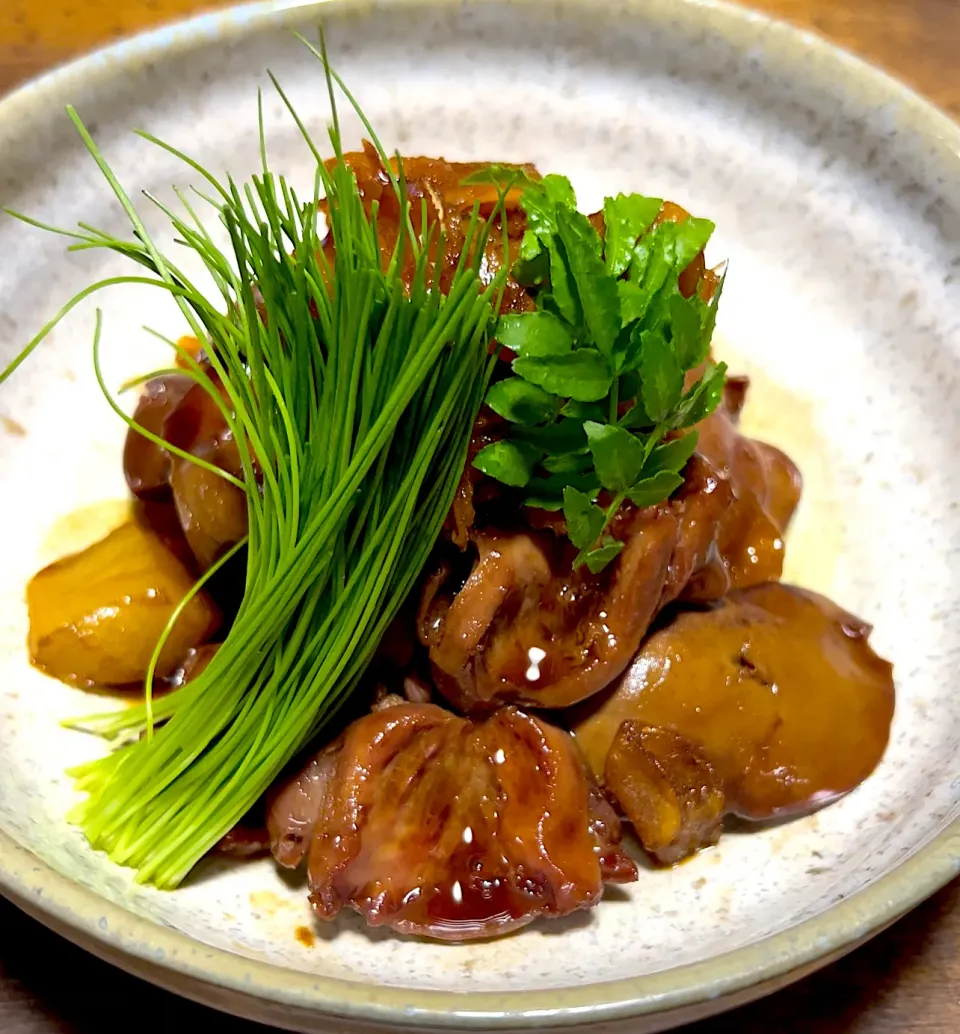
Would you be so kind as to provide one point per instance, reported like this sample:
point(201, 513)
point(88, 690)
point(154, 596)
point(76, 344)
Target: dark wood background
point(907, 981)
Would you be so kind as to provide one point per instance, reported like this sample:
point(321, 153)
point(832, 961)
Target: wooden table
point(907, 981)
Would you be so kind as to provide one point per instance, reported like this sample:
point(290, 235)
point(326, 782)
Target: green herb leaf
point(563, 288)
point(534, 333)
point(672, 456)
point(568, 463)
point(690, 238)
point(582, 375)
point(539, 499)
point(661, 378)
point(649, 273)
point(710, 320)
point(629, 349)
point(633, 301)
point(584, 518)
point(560, 190)
point(690, 344)
point(547, 492)
point(540, 202)
point(636, 419)
point(597, 559)
point(535, 270)
point(596, 290)
point(617, 455)
point(584, 411)
point(653, 257)
point(501, 175)
point(560, 437)
point(654, 489)
point(521, 402)
point(626, 217)
point(531, 247)
point(508, 461)
point(702, 399)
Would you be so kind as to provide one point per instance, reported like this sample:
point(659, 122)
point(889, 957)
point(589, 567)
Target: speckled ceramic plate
point(837, 196)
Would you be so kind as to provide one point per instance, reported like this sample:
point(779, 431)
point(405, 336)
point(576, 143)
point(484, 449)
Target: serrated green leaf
point(596, 290)
point(559, 438)
point(626, 217)
point(521, 402)
point(672, 456)
point(568, 463)
point(560, 190)
point(563, 288)
point(710, 319)
point(702, 399)
point(534, 270)
point(507, 461)
point(534, 333)
point(690, 239)
point(501, 175)
point(649, 272)
point(536, 501)
point(597, 559)
point(633, 301)
point(661, 379)
point(617, 455)
point(584, 410)
point(546, 493)
point(690, 345)
point(636, 419)
point(540, 202)
point(654, 489)
point(531, 246)
point(582, 374)
point(585, 520)
point(629, 350)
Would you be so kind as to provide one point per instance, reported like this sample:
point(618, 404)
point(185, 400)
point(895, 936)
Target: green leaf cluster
point(598, 400)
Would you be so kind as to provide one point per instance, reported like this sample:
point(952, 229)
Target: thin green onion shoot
point(351, 396)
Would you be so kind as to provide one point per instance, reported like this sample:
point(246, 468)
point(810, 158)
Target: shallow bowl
point(837, 196)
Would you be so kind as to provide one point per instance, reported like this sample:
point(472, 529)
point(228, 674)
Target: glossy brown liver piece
point(777, 686)
point(145, 463)
point(439, 826)
point(766, 486)
point(527, 628)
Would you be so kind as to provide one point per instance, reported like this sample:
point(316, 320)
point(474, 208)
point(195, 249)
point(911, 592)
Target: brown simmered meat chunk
point(211, 511)
point(437, 186)
point(294, 806)
point(776, 685)
point(97, 616)
point(766, 487)
point(146, 464)
point(527, 628)
point(243, 841)
point(439, 826)
point(667, 789)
